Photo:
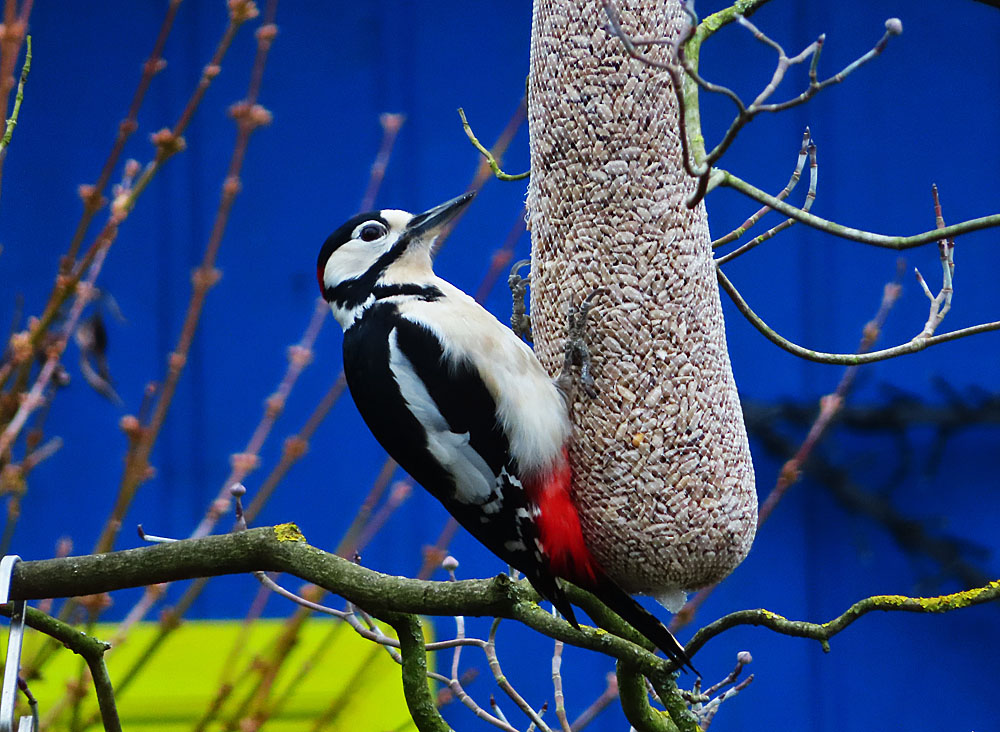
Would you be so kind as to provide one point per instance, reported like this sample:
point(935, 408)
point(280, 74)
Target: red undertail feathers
point(559, 525)
point(562, 541)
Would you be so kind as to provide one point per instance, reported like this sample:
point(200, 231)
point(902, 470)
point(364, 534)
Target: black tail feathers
point(642, 620)
point(622, 603)
point(548, 587)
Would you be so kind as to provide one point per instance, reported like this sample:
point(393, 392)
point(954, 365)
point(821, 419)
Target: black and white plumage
point(463, 405)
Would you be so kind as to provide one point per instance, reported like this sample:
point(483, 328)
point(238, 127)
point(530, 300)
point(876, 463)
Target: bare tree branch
point(419, 699)
point(822, 632)
point(635, 703)
point(684, 67)
point(699, 163)
point(913, 536)
point(898, 243)
point(398, 600)
point(282, 549)
point(919, 343)
point(93, 195)
point(90, 649)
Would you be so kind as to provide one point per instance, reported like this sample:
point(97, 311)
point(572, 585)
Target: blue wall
point(926, 111)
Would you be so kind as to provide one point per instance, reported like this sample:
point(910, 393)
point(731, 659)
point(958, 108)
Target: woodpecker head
point(379, 248)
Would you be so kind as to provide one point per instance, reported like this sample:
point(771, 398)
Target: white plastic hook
point(8, 696)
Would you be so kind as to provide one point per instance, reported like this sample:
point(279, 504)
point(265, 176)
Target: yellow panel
point(330, 672)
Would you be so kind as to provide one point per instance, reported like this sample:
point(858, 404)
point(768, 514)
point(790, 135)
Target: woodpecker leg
point(576, 351)
point(520, 319)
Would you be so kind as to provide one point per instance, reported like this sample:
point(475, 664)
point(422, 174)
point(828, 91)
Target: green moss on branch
point(822, 632)
point(281, 549)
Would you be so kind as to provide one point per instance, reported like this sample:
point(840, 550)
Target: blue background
point(926, 111)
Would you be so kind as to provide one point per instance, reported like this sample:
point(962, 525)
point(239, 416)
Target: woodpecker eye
point(372, 231)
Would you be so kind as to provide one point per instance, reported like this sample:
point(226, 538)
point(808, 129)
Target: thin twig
point(391, 124)
point(504, 684)
point(249, 116)
point(170, 141)
point(742, 659)
point(712, 708)
point(823, 632)
point(940, 303)
point(15, 26)
point(274, 587)
point(349, 544)
point(497, 719)
point(93, 195)
point(14, 479)
point(310, 664)
point(830, 406)
point(35, 398)
point(845, 359)
point(12, 120)
point(498, 711)
point(601, 703)
point(434, 555)
point(401, 491)
point(299, 356)
point(810, 198)
point(490, 159)
point(557, 687)
point(792, 182)
point(500, 259)
point(897, 243)
point(347, 694)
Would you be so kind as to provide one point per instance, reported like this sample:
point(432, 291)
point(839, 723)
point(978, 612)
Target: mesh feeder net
point(663, 476)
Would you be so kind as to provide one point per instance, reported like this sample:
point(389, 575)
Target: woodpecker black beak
point(430, 221)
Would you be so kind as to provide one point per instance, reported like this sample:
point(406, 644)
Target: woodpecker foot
point(576, 351)
point(520, 319)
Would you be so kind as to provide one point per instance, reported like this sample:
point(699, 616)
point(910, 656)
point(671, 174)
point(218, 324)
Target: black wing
point(502, 521)
point(457, 393)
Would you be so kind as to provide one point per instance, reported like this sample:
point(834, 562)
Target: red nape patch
point(319, 277)
point(559, 526)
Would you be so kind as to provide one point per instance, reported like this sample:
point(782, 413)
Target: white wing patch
point(474, 481)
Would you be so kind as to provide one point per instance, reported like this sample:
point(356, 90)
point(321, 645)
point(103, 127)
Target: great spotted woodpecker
point(463, 405)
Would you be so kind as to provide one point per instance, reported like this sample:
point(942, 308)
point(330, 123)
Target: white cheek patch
point(474, 480)
point(352, 260)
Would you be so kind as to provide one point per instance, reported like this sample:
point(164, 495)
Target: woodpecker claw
point(577, 353)
point(520, 319)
